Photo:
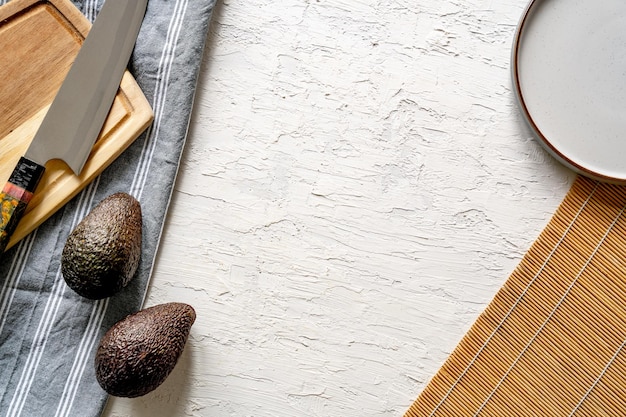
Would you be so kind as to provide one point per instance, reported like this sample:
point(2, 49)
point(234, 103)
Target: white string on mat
point(552, 313)
point(517, 302)
point(597, 381)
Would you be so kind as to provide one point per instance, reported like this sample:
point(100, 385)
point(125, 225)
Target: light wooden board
point(39, 41)
point(553, 341)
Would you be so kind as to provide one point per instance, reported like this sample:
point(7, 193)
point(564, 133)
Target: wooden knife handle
point(15, 196)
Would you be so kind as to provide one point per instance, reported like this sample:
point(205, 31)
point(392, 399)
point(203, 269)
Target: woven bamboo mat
point(553, 340)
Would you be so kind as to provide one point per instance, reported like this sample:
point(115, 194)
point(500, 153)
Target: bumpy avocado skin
point(102, 253)
point(138, 353)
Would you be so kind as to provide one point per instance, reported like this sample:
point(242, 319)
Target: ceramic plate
point(569, 74)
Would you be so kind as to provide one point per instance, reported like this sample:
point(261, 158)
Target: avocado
point(137, 354)
point(102, 253)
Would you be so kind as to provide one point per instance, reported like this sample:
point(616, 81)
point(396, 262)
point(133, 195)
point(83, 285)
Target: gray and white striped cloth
point(48, 334)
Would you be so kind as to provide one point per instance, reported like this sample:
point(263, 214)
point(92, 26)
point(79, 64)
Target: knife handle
point(16, 195)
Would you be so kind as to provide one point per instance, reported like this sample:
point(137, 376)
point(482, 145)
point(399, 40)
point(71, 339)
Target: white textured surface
point(356, 186)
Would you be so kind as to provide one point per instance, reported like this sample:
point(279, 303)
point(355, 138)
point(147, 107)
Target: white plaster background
point(356, 186)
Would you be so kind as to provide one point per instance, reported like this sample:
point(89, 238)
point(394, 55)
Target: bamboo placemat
point(553, 340)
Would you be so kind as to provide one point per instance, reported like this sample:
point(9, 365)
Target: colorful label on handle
point(16, 195)
point(12, 207)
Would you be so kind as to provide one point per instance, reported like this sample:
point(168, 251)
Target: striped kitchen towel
point(48, 333)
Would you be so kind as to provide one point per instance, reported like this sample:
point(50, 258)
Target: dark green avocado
point(102, 253)
point(138, 353)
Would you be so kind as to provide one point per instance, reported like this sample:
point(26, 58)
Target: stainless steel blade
point(77, 113)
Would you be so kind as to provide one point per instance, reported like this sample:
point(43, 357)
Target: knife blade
point(77, 113)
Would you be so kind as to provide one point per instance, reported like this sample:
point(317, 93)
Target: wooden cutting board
point(38, 43)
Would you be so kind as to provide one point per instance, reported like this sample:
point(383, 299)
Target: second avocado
point(102, 254)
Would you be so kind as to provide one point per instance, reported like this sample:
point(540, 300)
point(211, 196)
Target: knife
point(78, 112)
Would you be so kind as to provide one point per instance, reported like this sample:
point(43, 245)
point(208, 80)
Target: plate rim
point(528, 118)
